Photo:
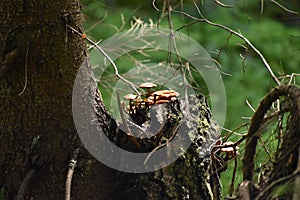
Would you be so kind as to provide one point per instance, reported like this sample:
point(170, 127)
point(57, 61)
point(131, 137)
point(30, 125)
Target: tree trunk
point(39, 61)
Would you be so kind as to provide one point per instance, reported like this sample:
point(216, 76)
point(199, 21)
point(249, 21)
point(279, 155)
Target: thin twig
point(172, 37)
point(233, 174)
point(69, 182)
point(266, 121)
point(99, 21)
point(263, 144)
point(109, 59)
point(266, 64)
point(71, 167)
point(249, 105)
point(270, 186)
point(284, 8)
point(121, 112)
point(26, 65)
point(292, 77)
point(223, 4)
point(161, 145)
point(261, 7)
point(223, 47)
point(243, 62)
point(230, 132)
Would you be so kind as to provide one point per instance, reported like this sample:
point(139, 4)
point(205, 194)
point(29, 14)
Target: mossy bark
point(189, 177)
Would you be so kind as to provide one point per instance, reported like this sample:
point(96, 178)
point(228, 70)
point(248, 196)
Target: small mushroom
point(148, 101)
point(164, 94)
point(130, 97)
point(147, 86)
point(161, 92)
point(231, 150)
point(152, 98)
point(173, 98)
point(139, 103)
point(161, 101)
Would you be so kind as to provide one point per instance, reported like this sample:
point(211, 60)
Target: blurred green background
point(275, 32)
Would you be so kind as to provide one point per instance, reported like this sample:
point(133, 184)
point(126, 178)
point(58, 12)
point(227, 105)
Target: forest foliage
point(274, 32)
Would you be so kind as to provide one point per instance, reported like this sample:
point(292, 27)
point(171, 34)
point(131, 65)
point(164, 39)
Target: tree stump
point(172, 126)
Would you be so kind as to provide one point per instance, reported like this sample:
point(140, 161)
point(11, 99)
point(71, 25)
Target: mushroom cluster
point(150, 98)
point(163, 96)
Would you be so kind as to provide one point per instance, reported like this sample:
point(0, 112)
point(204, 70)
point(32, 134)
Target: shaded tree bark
point(39, 62)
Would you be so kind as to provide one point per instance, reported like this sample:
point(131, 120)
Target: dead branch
point(270, 186)
point(107, 57)
point(252, 137)
point(25, 72)
point(71, 168)
point(204, 20)
point(284, 8)
point(223, 4)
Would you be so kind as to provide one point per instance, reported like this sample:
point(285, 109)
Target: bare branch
point(250, 106)
point(25, 72)
point(99, 21)
point(69, 178)
point(71, 167)
point(270, 186)
point(154, 6)
point(261, 6)
point(174, 45)
point(108, 58)
point(284, 8)
point(222, 4)
point(266, 64)
point(233, 174)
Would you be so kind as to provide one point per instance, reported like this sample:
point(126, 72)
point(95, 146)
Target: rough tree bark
point(40, 58)
point(39, 61)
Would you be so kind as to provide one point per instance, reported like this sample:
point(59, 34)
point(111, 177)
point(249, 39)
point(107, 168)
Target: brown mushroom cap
point(139, 101)
point(230, 149)
point(165, 94)
point(130, 96)
point(173, 98)
point(147, 85)
point(151, 98)
point(149, 101)
point(161, 101)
